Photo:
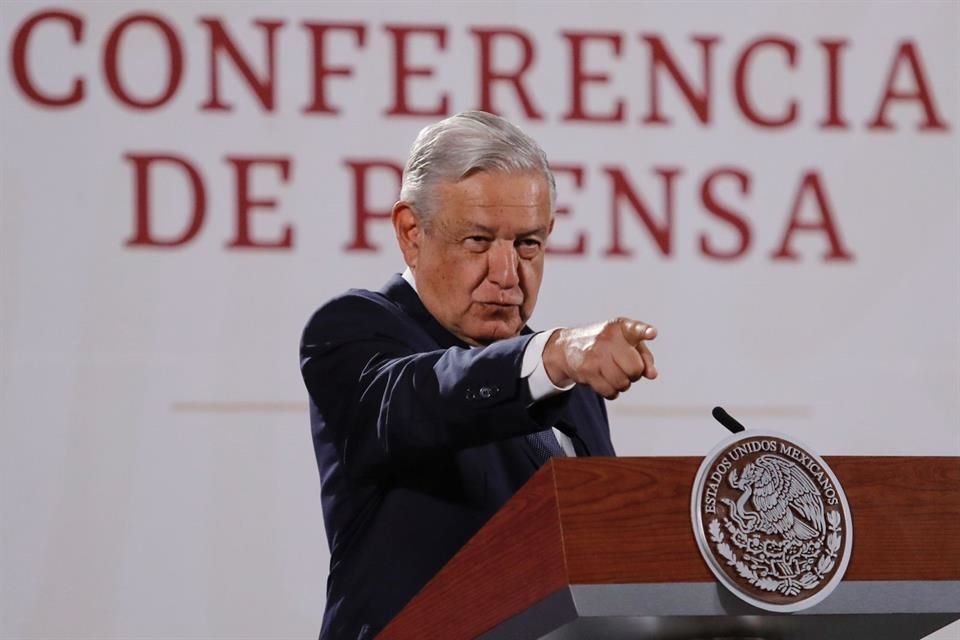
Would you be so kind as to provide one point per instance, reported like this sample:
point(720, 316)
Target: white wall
point(157, 471)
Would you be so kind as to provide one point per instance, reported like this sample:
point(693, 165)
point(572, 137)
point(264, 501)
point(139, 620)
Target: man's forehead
point(487, 198)
point(528, 195)
point(494, 218)
point(496, 188)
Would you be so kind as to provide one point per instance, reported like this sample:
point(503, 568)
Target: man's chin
point(491, 331)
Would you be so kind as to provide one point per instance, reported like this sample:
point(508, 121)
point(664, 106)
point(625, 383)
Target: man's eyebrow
point(536, 231)
point(469, 227)
point(476, 227)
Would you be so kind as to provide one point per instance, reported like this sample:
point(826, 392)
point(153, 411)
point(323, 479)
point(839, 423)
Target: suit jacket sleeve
point(384, 402)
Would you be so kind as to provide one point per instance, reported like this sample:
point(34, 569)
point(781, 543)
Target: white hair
point(461, 145)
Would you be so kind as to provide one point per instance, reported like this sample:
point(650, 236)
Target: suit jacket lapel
point(584, 409)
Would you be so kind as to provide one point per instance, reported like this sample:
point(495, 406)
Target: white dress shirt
point(531, 368)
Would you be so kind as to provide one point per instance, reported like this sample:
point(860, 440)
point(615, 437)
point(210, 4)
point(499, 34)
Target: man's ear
point(409, 233)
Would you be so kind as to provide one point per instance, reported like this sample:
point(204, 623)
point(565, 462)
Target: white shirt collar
point(408, 276)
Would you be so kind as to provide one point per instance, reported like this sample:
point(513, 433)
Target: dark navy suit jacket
point(419, 440)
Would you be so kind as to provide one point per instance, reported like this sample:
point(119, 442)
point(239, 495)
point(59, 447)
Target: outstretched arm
point(381, 402)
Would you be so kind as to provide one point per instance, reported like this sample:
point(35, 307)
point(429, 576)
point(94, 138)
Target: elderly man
point(432, 402)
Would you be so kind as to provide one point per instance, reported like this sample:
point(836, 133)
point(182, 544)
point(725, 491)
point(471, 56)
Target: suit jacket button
point(486, 392)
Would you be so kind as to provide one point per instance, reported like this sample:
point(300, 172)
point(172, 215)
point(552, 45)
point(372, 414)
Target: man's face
point(479, 263)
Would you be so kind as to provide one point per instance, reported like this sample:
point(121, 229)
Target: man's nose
point(503, 262)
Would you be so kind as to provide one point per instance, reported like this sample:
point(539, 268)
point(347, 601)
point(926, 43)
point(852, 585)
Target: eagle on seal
point(784, 499)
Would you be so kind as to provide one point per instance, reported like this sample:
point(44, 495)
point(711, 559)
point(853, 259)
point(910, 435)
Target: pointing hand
point(608, 356)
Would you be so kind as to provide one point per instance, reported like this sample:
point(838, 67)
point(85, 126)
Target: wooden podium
point(604, 548)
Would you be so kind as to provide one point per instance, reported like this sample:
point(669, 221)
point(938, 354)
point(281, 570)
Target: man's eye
point(528, 247)
point(477, 243)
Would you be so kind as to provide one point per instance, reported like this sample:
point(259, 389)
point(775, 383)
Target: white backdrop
point(158, 477)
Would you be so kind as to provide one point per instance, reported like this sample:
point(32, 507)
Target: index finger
point(636, 332)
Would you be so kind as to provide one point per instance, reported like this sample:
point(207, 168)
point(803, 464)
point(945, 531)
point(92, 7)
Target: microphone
point(727, 420)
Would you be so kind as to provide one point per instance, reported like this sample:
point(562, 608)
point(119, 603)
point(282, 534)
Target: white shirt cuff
point(541, 386)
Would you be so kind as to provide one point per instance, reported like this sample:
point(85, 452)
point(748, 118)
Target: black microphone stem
point(727, 420)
